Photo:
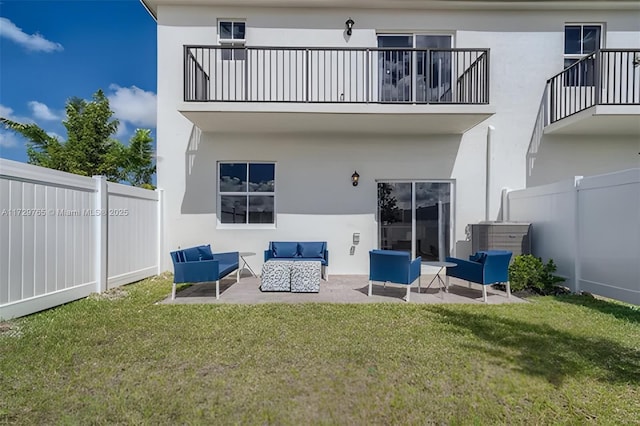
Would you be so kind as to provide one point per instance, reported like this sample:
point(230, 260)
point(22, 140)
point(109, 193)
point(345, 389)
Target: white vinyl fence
point(590, 227)
point(64, 236)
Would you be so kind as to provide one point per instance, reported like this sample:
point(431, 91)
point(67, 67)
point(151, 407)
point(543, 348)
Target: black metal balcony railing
point(326, 75)
point(605, 77)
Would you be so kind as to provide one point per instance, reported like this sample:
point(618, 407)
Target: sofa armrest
point(268, 254)
point(466, 270)
point(415, 269)
point(326, 256)
point(197, 271)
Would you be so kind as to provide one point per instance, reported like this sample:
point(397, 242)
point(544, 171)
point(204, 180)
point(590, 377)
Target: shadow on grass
point(541, 350)
point(618, 310)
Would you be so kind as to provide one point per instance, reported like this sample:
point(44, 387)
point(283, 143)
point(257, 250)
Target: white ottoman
point(305, 276)
point(276, 275)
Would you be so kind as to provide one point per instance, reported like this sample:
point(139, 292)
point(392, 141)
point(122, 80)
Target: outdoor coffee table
point(276, 275)
point(305, 276)
point(442, 265)
point(245, 265)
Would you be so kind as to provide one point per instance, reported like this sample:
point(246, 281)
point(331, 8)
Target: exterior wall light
point(349, 25)
point(354, 178)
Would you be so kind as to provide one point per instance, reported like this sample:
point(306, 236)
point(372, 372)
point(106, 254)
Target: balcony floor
point(267, 117)
point(619, 120)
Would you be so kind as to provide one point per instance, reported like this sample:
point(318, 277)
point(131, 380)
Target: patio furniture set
point(298, 267)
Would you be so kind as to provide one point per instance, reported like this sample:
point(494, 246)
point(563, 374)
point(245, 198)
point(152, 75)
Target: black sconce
point(354, 178)
point(349, 25)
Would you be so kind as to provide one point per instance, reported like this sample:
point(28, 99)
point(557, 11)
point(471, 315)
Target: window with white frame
point(246, 192)
point(580, 41)
point(231, 33)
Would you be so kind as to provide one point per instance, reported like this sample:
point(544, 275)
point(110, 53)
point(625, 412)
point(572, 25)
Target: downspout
point(490, 130)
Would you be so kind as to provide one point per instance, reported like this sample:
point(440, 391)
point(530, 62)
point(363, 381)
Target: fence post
point(504, 208)
point(576, 236)
point(160, 233)
point(101, 221)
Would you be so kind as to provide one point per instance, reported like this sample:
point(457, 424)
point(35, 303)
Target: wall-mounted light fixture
point(349, 26)
point(354, 178)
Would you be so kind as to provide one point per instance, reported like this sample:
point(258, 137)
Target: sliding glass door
point(415, 216)
point(405, 75)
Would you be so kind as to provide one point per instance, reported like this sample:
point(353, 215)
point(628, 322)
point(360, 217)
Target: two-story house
point(381, 123)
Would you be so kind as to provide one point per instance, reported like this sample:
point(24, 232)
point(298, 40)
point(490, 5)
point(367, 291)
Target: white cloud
point(8, 139)
point(42, 112)
point(7, 112)
point(33, 42)
point(133, 105)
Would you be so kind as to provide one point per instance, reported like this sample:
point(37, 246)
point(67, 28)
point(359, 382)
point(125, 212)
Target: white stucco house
point(268, 110)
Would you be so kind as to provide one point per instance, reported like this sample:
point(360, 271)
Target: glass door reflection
point(395, 216)
point(415, 217)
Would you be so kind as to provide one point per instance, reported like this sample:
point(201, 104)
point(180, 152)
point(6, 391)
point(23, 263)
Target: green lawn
point(123, 359)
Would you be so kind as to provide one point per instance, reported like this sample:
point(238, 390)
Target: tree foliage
point(90, 148)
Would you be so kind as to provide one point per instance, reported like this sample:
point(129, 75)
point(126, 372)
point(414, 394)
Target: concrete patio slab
point(339, 289)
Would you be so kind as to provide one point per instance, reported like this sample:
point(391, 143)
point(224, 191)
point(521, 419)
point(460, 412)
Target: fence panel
point(609, 235)
point(590, 229)
point(133, 234)
point(50, 237)
point(551, 211)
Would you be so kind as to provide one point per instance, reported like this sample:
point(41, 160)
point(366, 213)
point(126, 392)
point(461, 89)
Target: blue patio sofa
point(200, 265)
point(300, 250)
point(485, 268)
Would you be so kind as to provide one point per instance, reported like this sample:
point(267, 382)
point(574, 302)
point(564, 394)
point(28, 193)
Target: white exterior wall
point(526, 48)
point(562, 156)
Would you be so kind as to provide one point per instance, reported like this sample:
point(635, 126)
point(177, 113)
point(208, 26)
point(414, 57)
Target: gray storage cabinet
point(515, 237)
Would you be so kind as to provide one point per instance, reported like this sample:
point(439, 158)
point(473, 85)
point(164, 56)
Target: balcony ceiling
point(620, 120)
point(335, 118)
point(152, 5)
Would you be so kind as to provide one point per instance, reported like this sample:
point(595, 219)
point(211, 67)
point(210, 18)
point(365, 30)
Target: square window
point(246, 193)
point(232, 30)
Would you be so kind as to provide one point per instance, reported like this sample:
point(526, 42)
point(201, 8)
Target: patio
point(339, 289)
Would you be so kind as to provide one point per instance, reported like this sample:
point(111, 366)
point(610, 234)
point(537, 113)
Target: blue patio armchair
point(200, 265)
point(485, 268)
point(391, 266)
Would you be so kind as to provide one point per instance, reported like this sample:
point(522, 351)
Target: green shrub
point(527, 272)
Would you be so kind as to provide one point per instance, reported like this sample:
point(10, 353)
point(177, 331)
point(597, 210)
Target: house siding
point(314, 196)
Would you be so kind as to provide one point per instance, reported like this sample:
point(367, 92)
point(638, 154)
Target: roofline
point(151, 11)
point(152, 5)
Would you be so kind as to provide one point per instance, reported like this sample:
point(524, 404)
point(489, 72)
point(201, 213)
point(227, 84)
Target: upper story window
point(231, 33)
point(246, 193)
point(581, 40)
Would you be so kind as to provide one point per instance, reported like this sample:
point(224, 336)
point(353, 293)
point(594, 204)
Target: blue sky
point(53, 50)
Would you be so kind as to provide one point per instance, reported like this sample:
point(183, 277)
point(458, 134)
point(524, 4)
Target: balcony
point(408, 91)
point(599, 95)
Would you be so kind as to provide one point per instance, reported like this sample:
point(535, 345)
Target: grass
point(121, 358)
